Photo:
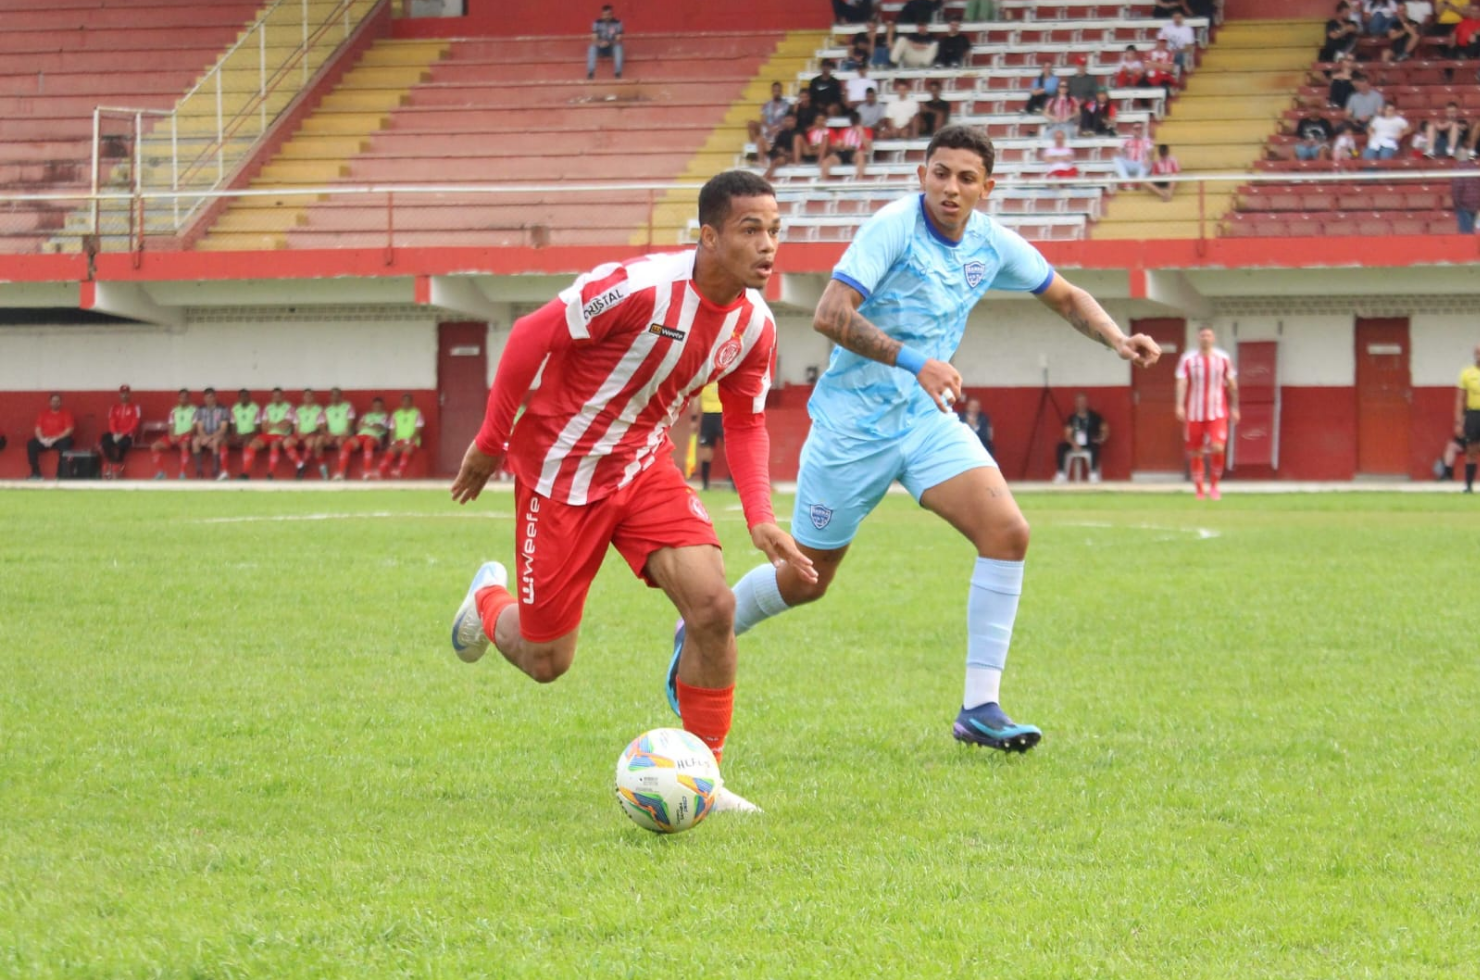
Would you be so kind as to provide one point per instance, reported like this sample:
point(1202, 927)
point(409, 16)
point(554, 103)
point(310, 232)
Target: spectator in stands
point(1082, 85)
point(246, 418)
point(1097, 116)
point(857, 88)
point(871, 113)
point(783, 148)
point(1134, 159)
point(1061, 114)
point(850, 145)
point(1422, 11)
point(1131, 72)
point(827, 91)
point(1403, 38)
point(860, 50)
point(954, 49)
point(1380, 15)
point(1385, 134)
point(915, 50)
point(902, 115)
point(1363, 104)
point(1044, 86)
point(212, 426)
point(1464, 190)
point(1165, 165)
point(979, 423)
point(811, 146)
point(1059, 156)
point(1444, 137)
point(1342, 86)
point(1161, 67)
point(763, 131)
point(180, 435)
point(1315, 137)
point(981, 11)
point(1447, 15)
point(123, 426)
point(53, 430)
point(1344, 146)
point(1164, 9)
point(852, 11)
point(606, 42)
point(882, 34)
point(1341, 33)
point(935, 112)
point(406, 426)
point(921, 12)
point(1464, 43)
point(805, 111)
point(1182, 41)
point(1084, 431)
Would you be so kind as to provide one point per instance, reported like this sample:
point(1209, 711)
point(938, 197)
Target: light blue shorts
point(843, 478)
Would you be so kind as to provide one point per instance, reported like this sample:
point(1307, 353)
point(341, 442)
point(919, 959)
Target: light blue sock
point(990, 612)
point(757, 598)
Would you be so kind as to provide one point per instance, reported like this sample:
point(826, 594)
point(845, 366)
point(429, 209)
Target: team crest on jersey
point(821, 516)
point(727, 353)
point(698, 509)
point(669, 333)
point(975, 273)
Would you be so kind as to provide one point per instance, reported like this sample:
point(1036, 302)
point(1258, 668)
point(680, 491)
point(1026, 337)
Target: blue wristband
point(910, 359)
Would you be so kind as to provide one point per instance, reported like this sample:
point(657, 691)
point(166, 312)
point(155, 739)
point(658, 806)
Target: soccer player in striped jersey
point(339, 431)
point(896, 307)
point(212, 426)
point(180, 435)
point(620, 352)
point(367, 438)
point(1207, 397)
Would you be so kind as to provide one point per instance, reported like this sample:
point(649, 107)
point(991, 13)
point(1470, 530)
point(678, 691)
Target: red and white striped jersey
point(643, 342)
point(1207, 376)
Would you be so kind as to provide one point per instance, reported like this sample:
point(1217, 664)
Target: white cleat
point(727, 800)
point(469, 641)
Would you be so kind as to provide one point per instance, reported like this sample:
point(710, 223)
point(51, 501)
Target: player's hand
point(1235, 415)
point(1139, 349)
point(779, 547)
point(477, 467)
point(941, 382)
point(1181, 414)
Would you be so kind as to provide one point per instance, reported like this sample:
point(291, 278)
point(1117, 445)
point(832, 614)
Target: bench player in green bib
point(278, 420)
point(246, 419)
point(367, 438)
point(180, 436)
point(339, 431)
point(406, 426)
point(307, 434)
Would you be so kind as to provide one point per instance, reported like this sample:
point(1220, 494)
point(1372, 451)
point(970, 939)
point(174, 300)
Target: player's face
point(954, 180)
point(1205, 340)
point(746, 245)
point(184, 398)
point(211, 399)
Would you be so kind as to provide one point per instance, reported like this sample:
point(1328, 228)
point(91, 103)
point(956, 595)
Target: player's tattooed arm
point(1086, 315)
point(838, 319)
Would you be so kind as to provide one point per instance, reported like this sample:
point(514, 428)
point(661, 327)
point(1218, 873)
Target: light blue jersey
point(918, 287)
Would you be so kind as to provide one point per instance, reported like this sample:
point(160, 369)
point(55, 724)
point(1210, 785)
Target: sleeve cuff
point(1047, 281)
point(849, 281)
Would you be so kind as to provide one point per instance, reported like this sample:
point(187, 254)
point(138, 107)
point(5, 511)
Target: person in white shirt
point(858, 87)
point(1381, 14)
point(901, 116)
point(1420, 10)
point(1384, 134)
point(1181, 39)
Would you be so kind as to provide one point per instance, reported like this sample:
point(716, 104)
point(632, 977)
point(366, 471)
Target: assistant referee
point(1467, 417)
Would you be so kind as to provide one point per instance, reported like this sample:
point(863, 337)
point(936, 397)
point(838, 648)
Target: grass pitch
point(234, 742)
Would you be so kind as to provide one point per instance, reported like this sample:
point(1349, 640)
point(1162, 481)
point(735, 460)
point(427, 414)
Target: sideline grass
point(244, 749)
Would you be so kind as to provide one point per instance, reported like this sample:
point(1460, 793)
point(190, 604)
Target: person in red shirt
point(620, 352)
point(54, 428)
point(123, 425)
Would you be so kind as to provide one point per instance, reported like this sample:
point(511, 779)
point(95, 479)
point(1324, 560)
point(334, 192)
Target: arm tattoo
point(840, 322)
point(1079, 319)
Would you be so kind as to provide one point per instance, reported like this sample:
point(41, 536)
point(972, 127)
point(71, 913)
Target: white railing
point(217, 124)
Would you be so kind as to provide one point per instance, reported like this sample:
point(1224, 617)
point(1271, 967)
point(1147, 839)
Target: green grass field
point(234, 743)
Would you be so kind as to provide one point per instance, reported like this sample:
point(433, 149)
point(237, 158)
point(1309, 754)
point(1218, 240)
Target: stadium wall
point(514, 18)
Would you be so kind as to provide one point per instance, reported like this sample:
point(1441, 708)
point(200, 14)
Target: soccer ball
point(667, 780)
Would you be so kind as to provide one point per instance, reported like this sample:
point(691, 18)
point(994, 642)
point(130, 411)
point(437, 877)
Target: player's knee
point(546, 666)
point(803, 592)
point(713, 613)
point(1010, 540)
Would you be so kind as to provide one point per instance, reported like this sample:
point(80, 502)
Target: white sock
point(990, 613)
point(757, 598)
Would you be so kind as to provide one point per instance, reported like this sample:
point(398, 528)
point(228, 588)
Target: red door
point(1257, 437)
point(462, 389)
point(1384, 397)
point(1157, 438)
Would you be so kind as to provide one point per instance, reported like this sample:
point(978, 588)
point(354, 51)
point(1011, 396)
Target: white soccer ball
point(667, 780)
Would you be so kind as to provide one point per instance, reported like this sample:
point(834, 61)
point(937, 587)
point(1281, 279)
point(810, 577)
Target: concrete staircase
point(1219, 124)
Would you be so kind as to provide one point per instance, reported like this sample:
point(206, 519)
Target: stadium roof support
point(1171, 289)
point(456, 294)
point(130, 301)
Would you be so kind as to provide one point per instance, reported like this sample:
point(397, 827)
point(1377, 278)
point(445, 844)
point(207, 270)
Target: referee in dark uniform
point(1467, 417)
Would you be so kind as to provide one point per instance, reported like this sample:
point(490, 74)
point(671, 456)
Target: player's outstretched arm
point(838, 319)
point(780, 547)
point(1089, 318)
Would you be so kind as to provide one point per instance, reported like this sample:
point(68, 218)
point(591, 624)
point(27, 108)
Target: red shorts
point(559, 547)
point(1214, 431)
point(268, 438)
point(364, 442)
point(176, 442)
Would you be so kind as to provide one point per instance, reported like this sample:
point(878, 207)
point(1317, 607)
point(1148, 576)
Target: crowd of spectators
point(309, 433)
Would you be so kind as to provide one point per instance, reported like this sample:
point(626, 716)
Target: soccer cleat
point(727, 800)
point(468, 639)
point(1094, 476)
point(1215, 494)
point(223, 475)
point(672, 686)
point(299, 470)
point(987, 725)
point(183, 476)
point(323, 472)
point(1199, 493)
point(1061, 477)
point(339, 477)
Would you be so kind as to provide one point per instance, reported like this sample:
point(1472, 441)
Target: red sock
point(344, 452)
point(158, 458)
point(707, 712)
point(272, 459)
point(223, 459)
point(401, 466)
point(369, 458)
point(1218, 458)
point(293, 455)
point(385, 464)
point(184, 458)
point(249, 456)
point(1197, 471)
point(491, 602)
